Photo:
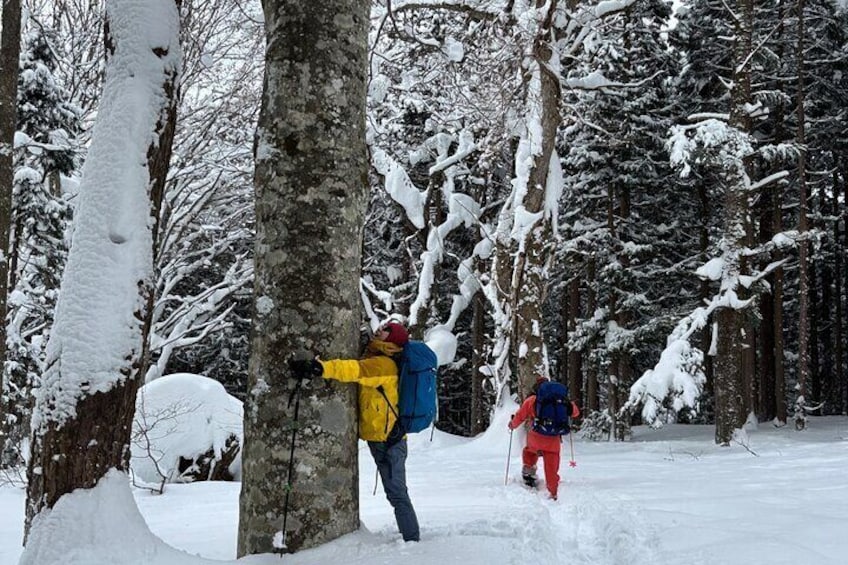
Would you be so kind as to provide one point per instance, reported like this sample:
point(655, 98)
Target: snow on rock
point(183, 416)
point(497, 434)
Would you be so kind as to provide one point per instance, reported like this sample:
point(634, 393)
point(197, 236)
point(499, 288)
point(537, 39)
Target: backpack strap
point(382, 392)
point(397, 432)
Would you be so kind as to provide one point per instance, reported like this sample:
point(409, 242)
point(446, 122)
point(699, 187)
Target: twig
point(748, 449)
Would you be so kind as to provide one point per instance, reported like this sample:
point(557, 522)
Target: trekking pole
point(571, 463)
point(376, 477)
point(433, 425)
point(508, 456)
point(280, 538)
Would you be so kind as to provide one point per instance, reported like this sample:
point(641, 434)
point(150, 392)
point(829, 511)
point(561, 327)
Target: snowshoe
point(529, 480)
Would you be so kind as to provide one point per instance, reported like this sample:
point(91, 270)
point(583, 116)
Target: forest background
point(648, 206)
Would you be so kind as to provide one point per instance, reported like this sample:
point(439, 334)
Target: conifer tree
point(628, 210)
point(47, 124)
point(825, 93)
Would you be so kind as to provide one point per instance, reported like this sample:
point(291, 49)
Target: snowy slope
point(669, 497)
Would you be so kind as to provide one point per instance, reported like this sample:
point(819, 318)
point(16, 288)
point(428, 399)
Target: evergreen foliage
point(48, 124)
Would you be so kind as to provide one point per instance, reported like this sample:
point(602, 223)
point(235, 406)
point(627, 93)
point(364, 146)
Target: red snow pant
point(551, 458)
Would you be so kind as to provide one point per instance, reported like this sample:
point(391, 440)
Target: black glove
point(305, 368)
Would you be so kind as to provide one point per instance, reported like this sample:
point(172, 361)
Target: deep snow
point(670, 496)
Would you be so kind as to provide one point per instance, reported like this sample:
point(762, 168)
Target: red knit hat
point(539, 382)
point(397, 333)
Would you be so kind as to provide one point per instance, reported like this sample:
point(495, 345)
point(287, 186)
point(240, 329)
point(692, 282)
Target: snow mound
point(497, 435)
point(179, 419)
point(99, 526)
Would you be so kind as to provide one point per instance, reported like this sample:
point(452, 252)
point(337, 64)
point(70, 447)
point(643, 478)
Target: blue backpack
point(417, 387)
point(553, 410)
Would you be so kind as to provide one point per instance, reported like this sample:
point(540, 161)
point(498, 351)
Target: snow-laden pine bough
point(677, 380)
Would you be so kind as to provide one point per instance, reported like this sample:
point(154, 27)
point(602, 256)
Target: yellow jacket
point(377, 369)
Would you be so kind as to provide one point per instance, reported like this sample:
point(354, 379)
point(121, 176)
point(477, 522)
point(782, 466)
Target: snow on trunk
point(84, 408)
point(520, 268)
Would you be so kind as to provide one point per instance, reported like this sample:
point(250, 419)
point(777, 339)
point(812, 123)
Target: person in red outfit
point(537, 444)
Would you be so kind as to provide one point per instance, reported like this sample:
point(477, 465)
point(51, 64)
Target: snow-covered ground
point(669, 497)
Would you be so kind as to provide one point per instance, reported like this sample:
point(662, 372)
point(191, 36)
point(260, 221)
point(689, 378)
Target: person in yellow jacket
point(377, 376)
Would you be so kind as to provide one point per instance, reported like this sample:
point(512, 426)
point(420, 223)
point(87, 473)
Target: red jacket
point(537, 441)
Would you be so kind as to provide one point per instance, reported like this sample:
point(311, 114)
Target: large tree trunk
point(705, 292)
point(841, 283)
point(422, 309)
point(10, 47)
point(84, 408)
point(730, 409)
point(311, 190)
point(749, 345)
point(531, 266)
point(765, 400)
point(837, 376)
point(619, 391)
point(520, 266)
point(729, 380)
point(562, 342)
point(615, 356)
point(772, 379)
point(813, 302)
point(803, 227)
